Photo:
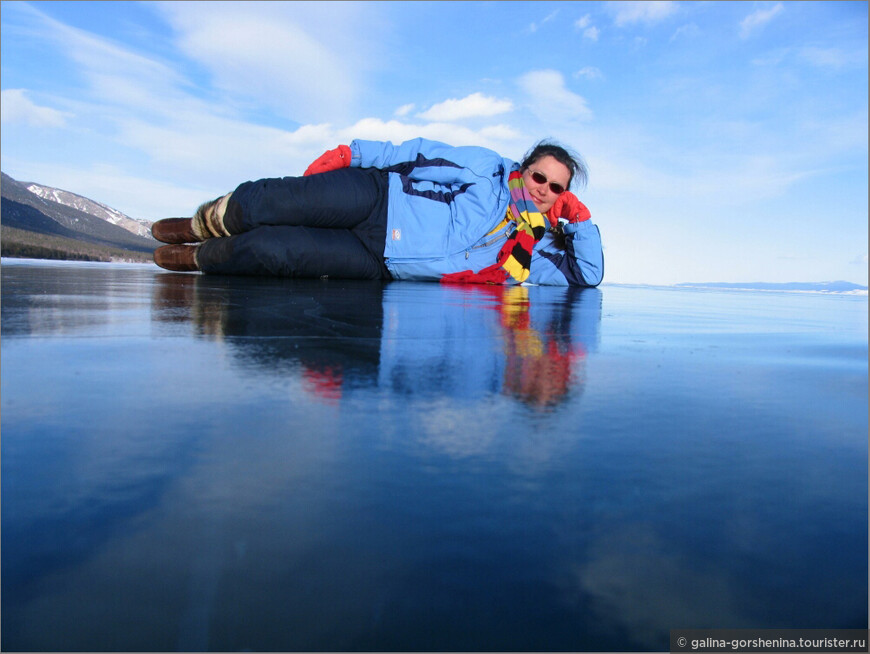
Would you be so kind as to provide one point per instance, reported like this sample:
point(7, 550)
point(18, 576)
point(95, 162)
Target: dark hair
point(573, 162)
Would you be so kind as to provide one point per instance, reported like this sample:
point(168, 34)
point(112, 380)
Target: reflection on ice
point(62, 299)
point(254, 464)
point(526, 343)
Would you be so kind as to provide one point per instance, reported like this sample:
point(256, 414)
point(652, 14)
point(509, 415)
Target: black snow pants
point(330, 224)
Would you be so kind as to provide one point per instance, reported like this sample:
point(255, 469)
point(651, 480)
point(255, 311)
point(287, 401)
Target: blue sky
point(726, 141)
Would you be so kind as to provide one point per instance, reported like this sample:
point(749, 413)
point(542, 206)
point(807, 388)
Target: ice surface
point(195, 462)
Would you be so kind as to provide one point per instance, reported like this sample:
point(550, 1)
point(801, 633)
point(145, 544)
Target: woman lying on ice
point(421, 210)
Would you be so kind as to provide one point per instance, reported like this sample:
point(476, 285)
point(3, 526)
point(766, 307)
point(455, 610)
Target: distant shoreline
point(857, 292)
point(72, 262)
point(836, 287)
point(24, 244)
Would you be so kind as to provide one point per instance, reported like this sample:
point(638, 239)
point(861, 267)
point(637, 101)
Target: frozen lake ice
point(215, 463)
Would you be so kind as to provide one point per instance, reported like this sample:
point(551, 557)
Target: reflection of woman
point(540, 363)
point(421, 210)
point(329, 333)
point(469, 344)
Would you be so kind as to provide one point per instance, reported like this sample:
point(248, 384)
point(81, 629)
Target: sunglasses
point(539, 178)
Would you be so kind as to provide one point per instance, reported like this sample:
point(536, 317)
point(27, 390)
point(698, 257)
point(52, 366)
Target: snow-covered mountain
point(138, 227)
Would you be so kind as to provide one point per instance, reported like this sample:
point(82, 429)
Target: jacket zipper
point(495, 239)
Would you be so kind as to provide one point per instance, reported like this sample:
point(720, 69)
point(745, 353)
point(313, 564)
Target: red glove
point(568, 207)
point(330, 160)
point(493, 274)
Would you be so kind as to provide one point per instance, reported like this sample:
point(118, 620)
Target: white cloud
point(551, 100)
point(249, 58)
point(202, 142)
point(501, 138)
point(264, 58)
point(628, 13)
point(115, 76)
point(589, 72)
point(758, 19)
point(405, 109)
point(830, 58)
point(17, 108)
point(835, 135)
point(471, 106)
point(834, 58)
point(534, 26)
point(583, 23)
point(503, 133)
point(550, 16)
point(772, 58)
point(688, 31)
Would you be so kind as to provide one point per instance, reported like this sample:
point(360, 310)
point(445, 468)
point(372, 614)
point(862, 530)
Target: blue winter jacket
point(446, 213)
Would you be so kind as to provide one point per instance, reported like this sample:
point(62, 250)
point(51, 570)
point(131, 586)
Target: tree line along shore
point(19, 243)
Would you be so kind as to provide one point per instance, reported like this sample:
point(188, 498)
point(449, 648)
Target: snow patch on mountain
point(136, 226)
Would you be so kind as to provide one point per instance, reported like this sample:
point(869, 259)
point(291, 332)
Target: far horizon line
point(838, 286)
point(753, 286)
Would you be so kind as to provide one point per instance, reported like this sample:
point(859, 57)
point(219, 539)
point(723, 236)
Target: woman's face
point(554, 172)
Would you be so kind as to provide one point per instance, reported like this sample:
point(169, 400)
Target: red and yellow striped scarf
point(515, 257)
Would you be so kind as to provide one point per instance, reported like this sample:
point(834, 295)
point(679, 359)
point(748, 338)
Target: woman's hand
point(569, 209)
point(330, 160)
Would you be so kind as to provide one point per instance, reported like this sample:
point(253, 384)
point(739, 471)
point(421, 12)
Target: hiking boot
point(174, 230)
point(207, 222)
point(179, 258)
